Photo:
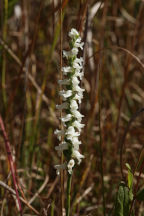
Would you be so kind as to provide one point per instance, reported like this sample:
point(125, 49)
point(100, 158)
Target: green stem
point(68, 194)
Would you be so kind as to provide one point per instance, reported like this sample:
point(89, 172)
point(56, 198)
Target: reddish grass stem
point(11, 163)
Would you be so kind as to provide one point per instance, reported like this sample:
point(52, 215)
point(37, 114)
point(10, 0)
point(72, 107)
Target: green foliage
point(31, 118)
point(122, 202)
point(130, 181)
point(124, 195)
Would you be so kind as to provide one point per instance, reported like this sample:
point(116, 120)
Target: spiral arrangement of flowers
point(72, 95)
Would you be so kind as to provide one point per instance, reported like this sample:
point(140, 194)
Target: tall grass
point(30, 63)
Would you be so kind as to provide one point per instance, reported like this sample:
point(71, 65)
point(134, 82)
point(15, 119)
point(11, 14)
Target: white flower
point(77, 114)
point(66, 54)
point(79, 44)
point(80, 93)
point(59, 168)
point(18, 11)
point(61, 147)
point(76, 146)
point(67, 69)
point(79, 74)
point(71, 53)
point(70, 130)
point(64, 82)
point(66, 118)
point(75, 80)
point(75, 141)
point(78, 125)
point(70, 133)
point(59, 133)
point(77, 66)
point(78, 89)
point(77, 155)
point(73, 105)
point(78, 97)
point(74, 51)
point(62, 106)
point(79, 61)
point(65, 94)
point(70, 165)
point(73, 33)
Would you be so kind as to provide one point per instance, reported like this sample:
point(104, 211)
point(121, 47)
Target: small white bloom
point(79, 61)
point(66, 54)
point(76, 141)
point(73, 33)
point(77, 155)
point(79, 74)
point(75, 80)
point(70, 133)
point(66, 118)
point(78, 97)
point(73, 105)
point(70, 165)
point(71, 53)
point(78, 89)
point(61, 147)
point(77, 65)
point(64, 82)
point(74, 51)
point(76, 146)
point(59, 168)
point(18, 11)
point(65, 94)
point(78, 43)
point(78, 125)
point(80, 93)
point(67, 69)
point(77, 114)
point(62, 106)
point(78, 40)
point(59, 133)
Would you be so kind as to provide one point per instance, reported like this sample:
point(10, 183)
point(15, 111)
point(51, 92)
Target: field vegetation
point(110, 179)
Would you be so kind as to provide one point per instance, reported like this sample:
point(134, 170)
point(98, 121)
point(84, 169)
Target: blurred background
point(30, 48)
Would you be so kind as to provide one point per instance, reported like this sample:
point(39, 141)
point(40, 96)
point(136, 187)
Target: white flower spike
point(70, 165)
point(72, 95)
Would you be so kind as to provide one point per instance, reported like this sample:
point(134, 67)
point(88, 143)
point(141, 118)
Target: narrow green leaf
point(130, 181)
point(128, 166)
point(122, 202)
point(130, 176)
point(126, 201)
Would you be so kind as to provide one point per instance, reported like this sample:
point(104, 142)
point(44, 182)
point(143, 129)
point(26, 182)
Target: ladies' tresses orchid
point(72, 95)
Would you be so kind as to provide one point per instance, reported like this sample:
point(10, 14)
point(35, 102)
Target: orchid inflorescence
point(71, 95)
